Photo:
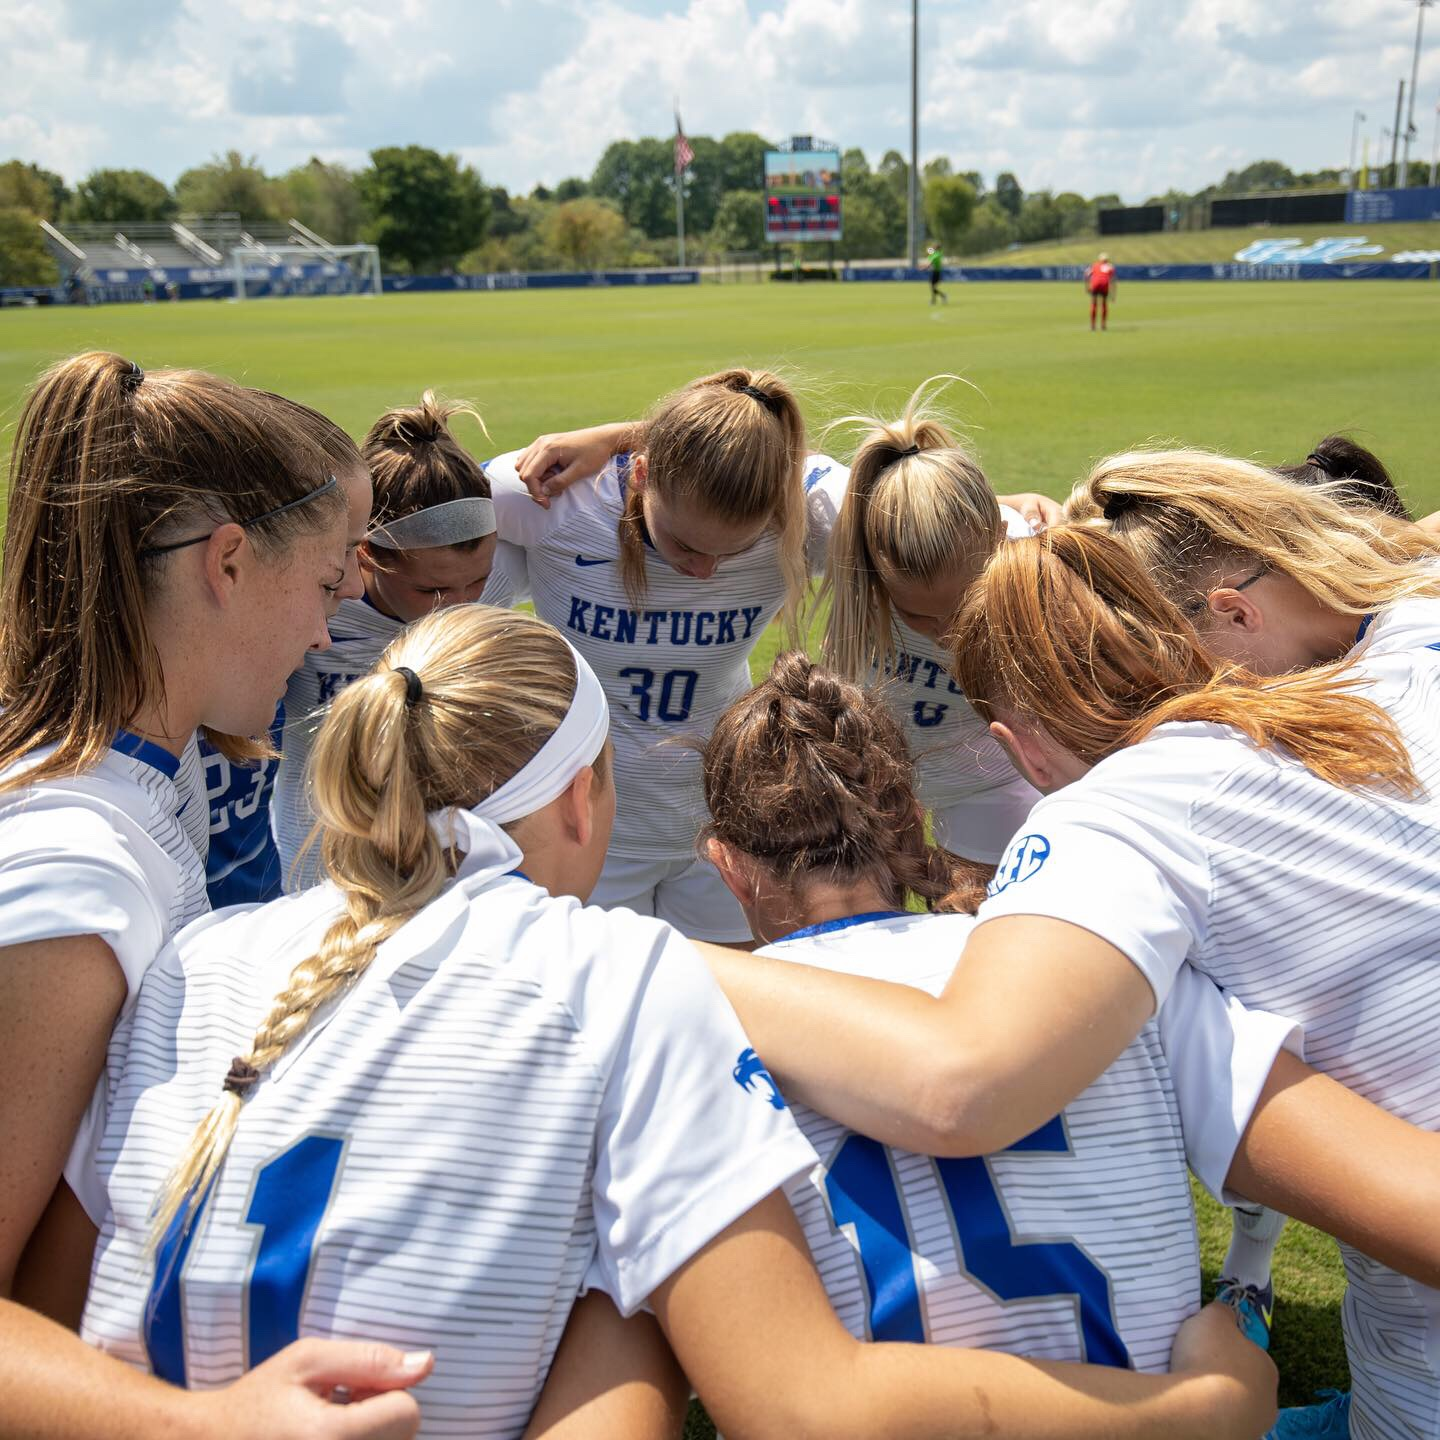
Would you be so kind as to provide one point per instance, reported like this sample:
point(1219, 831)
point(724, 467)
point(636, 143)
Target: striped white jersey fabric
point(976, 797)
point(359, 634)
point(1076, 1243)
point(1318, 902)
point(517, 1086)
point(669, 666)
point(113, 853)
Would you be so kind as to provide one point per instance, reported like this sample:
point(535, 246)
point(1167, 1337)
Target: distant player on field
point(935, 259)
point(1099, 281)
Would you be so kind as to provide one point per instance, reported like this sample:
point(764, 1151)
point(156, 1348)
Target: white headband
point(575, 743)
point(472, 517)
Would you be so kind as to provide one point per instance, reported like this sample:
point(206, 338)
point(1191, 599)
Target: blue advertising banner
point(1226, 271)
point(1368, 207)
point(550, 280)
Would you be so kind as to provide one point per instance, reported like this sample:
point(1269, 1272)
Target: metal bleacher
point(90, 250)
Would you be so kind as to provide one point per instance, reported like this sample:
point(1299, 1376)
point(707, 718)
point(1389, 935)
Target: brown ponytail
point(416, 462)
point(734, 444)
point(108, 462)
point(1067, 631)
point(810, 775)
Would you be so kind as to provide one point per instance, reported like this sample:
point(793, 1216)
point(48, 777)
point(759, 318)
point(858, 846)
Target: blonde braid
point(493, 685)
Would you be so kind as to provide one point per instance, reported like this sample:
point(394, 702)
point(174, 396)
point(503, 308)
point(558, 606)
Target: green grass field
point(1204, 247)
point(1259, 369)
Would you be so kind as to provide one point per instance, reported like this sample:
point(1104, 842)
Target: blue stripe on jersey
point(816, 476)
point(243, 866)
point(1365, 624)
point(147, 752)
point(845, 922)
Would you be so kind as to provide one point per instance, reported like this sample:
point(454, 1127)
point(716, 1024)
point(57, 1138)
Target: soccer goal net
point(262, 270)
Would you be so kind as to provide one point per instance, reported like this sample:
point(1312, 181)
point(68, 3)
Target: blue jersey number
point(677, 692)
point(864, 1192)
point(287, 1203)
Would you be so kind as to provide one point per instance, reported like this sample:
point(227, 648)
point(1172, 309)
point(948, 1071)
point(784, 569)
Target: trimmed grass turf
point(1204, 247)
point(1261, 369)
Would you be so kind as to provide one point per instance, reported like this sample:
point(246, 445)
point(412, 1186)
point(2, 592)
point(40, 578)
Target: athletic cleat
point(1253, 1307)
point(1329, 1420)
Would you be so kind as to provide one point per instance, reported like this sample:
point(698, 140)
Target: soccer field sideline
point(1262, 369)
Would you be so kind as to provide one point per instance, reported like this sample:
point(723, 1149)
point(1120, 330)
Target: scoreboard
point(802, 195)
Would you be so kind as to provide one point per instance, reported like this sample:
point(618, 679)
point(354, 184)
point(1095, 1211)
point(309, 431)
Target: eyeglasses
point(305, 499)
point(1200, 602)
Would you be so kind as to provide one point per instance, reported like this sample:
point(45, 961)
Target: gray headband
point(452, 523)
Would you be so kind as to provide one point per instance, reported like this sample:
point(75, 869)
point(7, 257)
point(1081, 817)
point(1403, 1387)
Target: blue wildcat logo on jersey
point(1026, 855)
point(752, 1068)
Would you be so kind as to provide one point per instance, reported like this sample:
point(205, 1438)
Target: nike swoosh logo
point(581, 560)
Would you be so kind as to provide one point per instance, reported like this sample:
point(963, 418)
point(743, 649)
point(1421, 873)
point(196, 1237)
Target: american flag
point(683, 153)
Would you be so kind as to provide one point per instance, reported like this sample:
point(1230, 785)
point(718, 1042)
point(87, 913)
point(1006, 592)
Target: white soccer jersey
point(112, 853)
point(976, 797)
point(1076, 1243)
point(669, 667)
point(1300, 897)
point(438, 1160)
point(359, 634)
point(1406, 625)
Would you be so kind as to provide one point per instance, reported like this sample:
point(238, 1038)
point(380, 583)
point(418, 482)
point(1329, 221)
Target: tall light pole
point(1354, 141)
point(1420, 6)
point(1435, 146)
point(912, 186)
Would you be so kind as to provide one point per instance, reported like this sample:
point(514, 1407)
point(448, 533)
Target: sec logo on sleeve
point(1027, 853)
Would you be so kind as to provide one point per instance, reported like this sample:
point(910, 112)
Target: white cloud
point(1096, 95)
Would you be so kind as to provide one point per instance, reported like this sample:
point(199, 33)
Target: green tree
point(977, 181)
point(1258, 175)
point(587, 234)
point(894, 171)
point(1039, 219)
point(854, 165)
point(425, 209)
point(505, 218)
point(949, 205)
point(28, 187)
point(24, 260)
point(740, 221)
point(991, 229)
point(120, 195)
point(869, 233)
point(571, 189)
point(1074, 212)
point(229, 183)
point(936, 168)
point(638, 176)
point(325, 198)
point(742, 160)
point(1008, 194)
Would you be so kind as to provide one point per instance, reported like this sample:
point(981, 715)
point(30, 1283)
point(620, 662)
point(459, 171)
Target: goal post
point(261, 271)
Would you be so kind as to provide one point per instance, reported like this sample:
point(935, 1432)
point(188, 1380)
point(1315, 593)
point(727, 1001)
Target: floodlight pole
point(911, 186)
point(1435, 146)
point(1354, 141)
point(1414, 80)
point(1395, 136)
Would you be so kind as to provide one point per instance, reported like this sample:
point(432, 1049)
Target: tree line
point(430, 212)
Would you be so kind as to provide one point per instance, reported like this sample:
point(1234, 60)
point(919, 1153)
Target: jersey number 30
point(287, 1203)
point(863, 1192)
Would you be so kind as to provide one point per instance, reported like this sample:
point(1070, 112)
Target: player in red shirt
point(1099, 280)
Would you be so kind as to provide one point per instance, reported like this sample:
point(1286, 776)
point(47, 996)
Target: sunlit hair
point(924, 516)
point(737, 458)
point(495, 685)
point(416, 462)
point(1068, 632)
point(1187, 516)
point(1351, 473)
point(106, 464)
point(810, 775)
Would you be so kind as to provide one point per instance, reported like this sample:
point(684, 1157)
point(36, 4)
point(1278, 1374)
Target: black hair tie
point(1116, 505)
point(770, 402)
point(913, 450)
point(130, 380)
point(240, 1077)
point(1320, 463)
point(413, 690)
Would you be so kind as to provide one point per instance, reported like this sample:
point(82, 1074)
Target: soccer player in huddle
point(431, 543)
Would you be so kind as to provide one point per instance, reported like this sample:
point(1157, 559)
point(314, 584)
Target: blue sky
point(1125, 95)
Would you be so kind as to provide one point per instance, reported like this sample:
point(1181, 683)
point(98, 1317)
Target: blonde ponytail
point(917, 504)
point(732, 443)
point(1187, 515)
point(1067, 631)
point(490, 688)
